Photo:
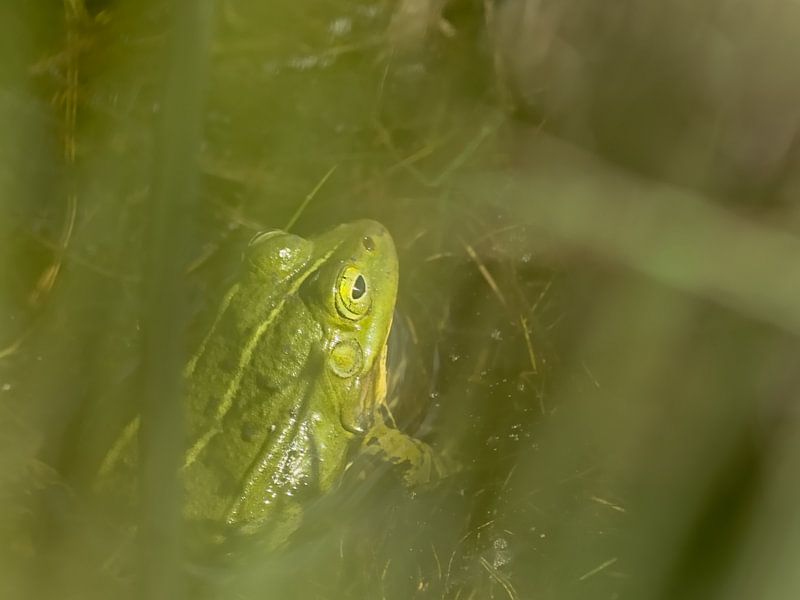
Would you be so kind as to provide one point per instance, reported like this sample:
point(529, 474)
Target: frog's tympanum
point(288, 382)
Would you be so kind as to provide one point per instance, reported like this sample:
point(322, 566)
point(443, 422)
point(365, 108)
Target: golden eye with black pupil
point(352, 294)
point(368, 243)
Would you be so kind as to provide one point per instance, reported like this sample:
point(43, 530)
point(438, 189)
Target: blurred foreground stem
point(168, 237)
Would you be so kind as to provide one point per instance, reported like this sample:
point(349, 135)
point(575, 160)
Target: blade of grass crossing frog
point(309, 198)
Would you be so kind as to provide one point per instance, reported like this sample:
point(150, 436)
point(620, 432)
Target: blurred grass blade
point(673, 235)
point(169, 233)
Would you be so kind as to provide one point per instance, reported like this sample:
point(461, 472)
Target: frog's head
point(353, 294)
point(347, 280)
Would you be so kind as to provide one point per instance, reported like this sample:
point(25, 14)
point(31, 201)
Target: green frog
point(288, 383)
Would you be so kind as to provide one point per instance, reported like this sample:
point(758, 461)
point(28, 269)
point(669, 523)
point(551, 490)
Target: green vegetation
point(595, 215)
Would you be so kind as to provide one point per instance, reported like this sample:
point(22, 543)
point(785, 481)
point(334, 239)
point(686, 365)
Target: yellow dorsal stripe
point(132, 428)
point(245, 358)
point(226, 302)
point(113, 455)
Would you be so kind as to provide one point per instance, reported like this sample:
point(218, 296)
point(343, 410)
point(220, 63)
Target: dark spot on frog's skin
point(227, 364)
point(264, 382)
point(227, 483)
point(368, 243)
point(249, 431)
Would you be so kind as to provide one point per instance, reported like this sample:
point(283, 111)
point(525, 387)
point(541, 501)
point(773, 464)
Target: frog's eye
point(352, 294)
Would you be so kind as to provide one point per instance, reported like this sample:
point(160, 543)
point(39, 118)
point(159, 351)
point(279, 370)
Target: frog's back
point(264, 442)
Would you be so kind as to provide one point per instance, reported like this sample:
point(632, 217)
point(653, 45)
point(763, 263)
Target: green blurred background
point(595, 207)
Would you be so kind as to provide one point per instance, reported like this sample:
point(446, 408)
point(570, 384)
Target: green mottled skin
point(286, 383)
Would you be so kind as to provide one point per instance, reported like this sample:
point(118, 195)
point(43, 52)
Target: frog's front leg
point(417, 462)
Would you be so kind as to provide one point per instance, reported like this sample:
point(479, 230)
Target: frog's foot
point(417, 462)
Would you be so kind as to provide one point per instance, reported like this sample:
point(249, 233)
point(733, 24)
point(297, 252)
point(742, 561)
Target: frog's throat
point(381, 377)
point(245, 358)
point(372, 401)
